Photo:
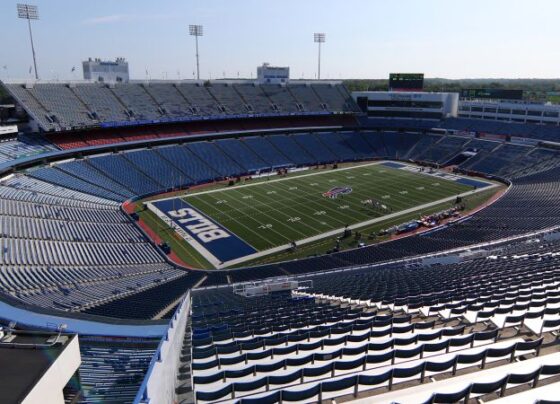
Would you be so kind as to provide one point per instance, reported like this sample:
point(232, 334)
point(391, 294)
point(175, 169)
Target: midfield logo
point(334, 192)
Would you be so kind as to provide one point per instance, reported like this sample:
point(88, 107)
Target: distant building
point(267, 74)
point(510, 111)
point(415, 105)
point(106, 71)
point(8, 130)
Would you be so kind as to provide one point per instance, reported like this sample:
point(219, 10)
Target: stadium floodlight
point(29, 12)
point(196, 31)
point(319, 38)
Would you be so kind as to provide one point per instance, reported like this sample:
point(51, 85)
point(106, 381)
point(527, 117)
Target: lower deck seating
point(65, 249)
point(149, 303)
point(123, 172)
point(241, 154)
point(273, 157)
point(313, 146)
point(398, 144)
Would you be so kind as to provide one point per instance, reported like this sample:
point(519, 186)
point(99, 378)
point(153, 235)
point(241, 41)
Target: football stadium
point(274, 239)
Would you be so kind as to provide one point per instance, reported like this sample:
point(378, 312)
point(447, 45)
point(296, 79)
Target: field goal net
point(265, 287)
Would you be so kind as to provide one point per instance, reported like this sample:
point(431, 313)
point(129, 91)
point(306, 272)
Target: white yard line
point(239, 223)
point(352, 227)
point(285, 215)
point(320, 207)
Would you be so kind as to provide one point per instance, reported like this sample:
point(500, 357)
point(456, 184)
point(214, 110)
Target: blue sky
point(365, 38)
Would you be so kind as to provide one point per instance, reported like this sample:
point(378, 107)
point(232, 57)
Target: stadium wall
point(49, 388)
point(45, 319)
point(158, 386)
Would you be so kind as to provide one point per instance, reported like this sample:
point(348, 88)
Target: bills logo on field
point(215, 242)
point(334, 192)
point(203, 228)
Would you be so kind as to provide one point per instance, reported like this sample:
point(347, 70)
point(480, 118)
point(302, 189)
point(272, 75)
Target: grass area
point(271, 212)
point(279, 212)
point(320, 247)
point(183, 250)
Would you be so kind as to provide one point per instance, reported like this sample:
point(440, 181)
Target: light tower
point(319, 38)
point(196, 31)
point(29, 12)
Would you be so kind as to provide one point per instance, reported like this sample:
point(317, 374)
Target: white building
point(267, 74)
point(106, 71)
point(414, 105)
point(510, 111)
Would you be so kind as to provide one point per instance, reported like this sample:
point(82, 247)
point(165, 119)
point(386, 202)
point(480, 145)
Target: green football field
point(277, 212)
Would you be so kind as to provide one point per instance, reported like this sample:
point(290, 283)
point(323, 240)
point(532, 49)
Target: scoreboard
point(492, 93)
point(406, 81)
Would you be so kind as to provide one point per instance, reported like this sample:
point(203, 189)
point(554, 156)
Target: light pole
point(319, 38)
point(196, 31)
point(29, 12)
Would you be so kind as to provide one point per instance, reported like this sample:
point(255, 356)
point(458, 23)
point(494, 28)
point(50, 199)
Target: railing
point(270, 285)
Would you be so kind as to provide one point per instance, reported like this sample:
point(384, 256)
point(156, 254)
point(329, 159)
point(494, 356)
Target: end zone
point(212, 241)
point(460, 179)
